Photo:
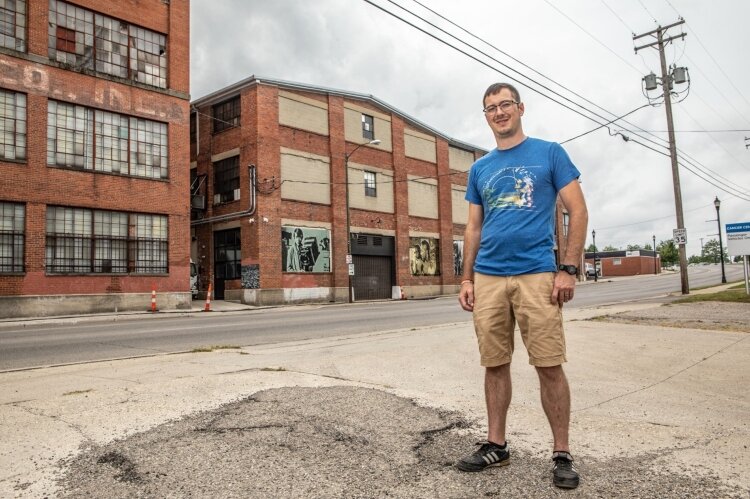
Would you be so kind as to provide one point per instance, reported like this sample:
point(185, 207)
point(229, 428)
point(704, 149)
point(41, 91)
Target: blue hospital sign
point(738, 238)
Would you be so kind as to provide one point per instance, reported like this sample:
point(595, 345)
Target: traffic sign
point(348, 258)
point(679, 236)
point(738, 238)
point(351, 269)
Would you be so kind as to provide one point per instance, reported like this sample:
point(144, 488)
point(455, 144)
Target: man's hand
point(564, 288)
point(466, 296)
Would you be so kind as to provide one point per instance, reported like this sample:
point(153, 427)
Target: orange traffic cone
point(153, 300)
point(208, 299)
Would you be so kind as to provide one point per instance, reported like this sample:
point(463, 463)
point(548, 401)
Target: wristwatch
point(570, 269)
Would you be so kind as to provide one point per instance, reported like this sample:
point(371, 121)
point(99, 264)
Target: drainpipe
point(229, 216)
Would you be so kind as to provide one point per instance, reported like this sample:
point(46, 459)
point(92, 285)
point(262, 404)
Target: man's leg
point(497, 392)
point(556, 403)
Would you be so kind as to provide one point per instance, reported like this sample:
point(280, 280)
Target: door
point(373, 279)
point(227, 257)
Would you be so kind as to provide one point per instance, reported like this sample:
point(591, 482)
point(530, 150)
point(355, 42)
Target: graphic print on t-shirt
point(510, 188)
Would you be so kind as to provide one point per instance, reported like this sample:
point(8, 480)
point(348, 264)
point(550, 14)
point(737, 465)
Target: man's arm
point(472, 236)
point(572, 198)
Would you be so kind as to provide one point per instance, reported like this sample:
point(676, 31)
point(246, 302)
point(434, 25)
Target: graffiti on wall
point(458, 257)
point(424, 258)
point(305, 249)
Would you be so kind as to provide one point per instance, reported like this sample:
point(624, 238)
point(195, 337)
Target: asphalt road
point(56, 342)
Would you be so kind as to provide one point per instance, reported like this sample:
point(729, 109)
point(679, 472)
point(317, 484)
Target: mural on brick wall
point(424, 257)
point(458, 257)
point(305, 249)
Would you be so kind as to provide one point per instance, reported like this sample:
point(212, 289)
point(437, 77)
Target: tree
point(695, 259)
point(634, 247)
point(648, 247)
point(738, 259)
point(591, 248)
point(711, 252)
point(668, 252)
point(609, 247)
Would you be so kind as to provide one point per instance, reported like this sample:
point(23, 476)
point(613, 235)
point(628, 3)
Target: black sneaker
point(564, 474)
point(488, 455)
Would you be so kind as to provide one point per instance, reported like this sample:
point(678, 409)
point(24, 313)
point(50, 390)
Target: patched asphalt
point(345, 442)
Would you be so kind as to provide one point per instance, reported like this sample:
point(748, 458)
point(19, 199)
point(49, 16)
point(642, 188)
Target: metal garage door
point(373, 277)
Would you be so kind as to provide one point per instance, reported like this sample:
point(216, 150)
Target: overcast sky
point(584, 45)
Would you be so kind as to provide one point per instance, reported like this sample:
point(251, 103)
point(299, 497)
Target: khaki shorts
point(501, 301)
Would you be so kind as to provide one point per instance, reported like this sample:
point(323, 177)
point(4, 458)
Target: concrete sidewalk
point(675, 398)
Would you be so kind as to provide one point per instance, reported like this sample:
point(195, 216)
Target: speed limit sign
point(679, 236)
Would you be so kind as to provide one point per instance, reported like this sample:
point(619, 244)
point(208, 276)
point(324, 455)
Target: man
point(510, 273)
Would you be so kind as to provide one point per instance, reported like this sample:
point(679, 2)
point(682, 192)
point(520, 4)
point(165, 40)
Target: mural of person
point(423, 257)
point(294, 253)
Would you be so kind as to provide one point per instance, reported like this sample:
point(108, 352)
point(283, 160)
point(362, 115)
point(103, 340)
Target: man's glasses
point(504, 106)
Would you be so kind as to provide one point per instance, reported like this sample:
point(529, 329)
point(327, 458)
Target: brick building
point(94, 112)
point(270, 165)
point(626, 263)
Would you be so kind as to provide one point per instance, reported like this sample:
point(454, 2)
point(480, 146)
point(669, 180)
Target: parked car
point(590, 271)
point(193, 279)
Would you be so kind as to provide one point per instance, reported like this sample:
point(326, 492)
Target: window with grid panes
point(124, 145)
point(370, 184)
point(13, 24)
point(368, 127)
point(12, 125)
point(12, 237)
point(226, 114)
point(151, 246)
point(193, 125)
point(82, 241)
point(227, 180)
point(84, 39)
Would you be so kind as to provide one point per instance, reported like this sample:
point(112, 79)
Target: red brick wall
point(629, 266)
point(38, 185)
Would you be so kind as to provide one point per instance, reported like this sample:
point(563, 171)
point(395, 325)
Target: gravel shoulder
point(711, 315)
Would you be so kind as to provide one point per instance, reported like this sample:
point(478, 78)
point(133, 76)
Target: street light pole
point(654, 238)
point(717, 203)
point(596, 270)
point(373, 142)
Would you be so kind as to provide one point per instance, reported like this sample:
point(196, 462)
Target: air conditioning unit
point(198, 202)
point(217, 198)
point(236, 194)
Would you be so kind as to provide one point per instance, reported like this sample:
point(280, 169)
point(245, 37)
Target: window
point(148, 148)
point(193, 125)
point(124, 145)
point(226, 114)
point(370, 185)
point(368, 127)
point(227, 180)
point(85, 241)
point(12, 225)
point(227, 254)
point(150, 248)
point(12, 125)
point(617, 261)
point(13, 24)
point(566, 223)
point(147, 61)
point(86, 40)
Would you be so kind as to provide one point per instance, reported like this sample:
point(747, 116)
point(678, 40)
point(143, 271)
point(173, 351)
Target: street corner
point(341, 441)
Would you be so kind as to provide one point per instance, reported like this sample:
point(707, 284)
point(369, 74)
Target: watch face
point(570, 269)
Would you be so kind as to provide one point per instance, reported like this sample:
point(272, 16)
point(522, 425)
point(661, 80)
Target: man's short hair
point(496, 88)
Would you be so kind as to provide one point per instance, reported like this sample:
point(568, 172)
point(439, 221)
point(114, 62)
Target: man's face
point(504, 123)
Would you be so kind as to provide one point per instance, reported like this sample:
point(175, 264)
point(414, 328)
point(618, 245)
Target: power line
point(592, 36)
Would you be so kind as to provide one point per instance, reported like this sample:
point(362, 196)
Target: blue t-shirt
point(517, 189)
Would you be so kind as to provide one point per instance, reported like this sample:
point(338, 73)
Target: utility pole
point(666, 80)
